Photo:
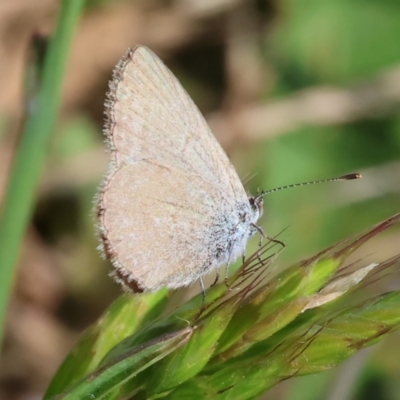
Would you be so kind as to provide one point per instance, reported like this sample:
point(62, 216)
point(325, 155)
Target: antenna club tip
point(349, 177)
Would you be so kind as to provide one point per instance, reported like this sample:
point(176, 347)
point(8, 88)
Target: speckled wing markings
point(167, 173)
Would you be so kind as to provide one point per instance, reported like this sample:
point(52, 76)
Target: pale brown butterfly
point(172, 207)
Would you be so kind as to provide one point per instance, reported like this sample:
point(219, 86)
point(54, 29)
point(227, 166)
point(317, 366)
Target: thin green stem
point(31, 155)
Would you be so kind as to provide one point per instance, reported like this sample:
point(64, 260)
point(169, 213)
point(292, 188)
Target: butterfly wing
point(170, 187)
point(160, 234)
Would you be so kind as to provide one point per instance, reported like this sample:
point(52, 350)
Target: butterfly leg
point(263, 235)
point(216, 278)
point(203, 300)
point(226, 277)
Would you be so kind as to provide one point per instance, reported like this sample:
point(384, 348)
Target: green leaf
point(33, 149)
point(190, 359)
point(124, 317)
point(105, 381)
point(243, 340)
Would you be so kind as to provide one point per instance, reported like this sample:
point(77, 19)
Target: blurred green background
point(294, 91)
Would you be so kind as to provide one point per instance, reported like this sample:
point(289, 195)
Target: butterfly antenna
point(347, 177)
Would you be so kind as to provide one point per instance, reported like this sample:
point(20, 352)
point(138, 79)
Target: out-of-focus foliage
point(294, 90)
point(337, 41)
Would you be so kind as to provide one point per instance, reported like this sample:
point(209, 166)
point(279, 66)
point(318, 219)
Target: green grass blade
point(247, 338)
point(311, 350)
point(103, 382)
point(123, 318)
point(191, 359)
point(32, 151)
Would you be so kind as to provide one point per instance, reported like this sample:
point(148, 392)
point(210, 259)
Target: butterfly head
point(257, 207)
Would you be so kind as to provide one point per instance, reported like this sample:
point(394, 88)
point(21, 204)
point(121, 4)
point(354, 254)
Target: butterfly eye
point(255, 202)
